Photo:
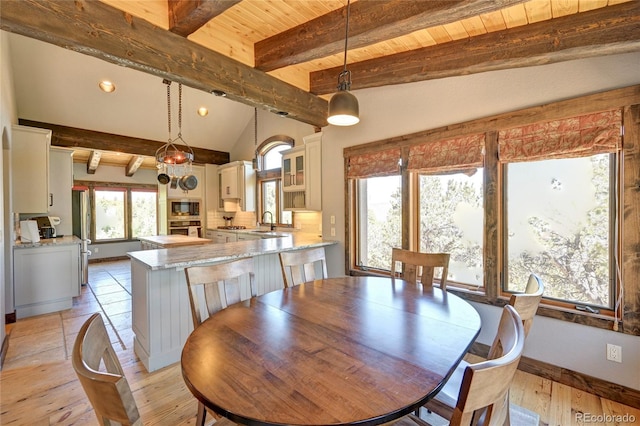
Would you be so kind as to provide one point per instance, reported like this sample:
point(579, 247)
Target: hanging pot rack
point(169, 155)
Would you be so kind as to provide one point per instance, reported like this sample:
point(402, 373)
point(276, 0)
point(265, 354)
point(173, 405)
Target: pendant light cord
point(168, 83)
point(346, 36)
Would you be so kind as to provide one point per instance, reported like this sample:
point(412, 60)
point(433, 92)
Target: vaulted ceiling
point(285, 55)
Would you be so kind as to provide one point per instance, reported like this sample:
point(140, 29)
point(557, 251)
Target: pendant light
point(343, 106)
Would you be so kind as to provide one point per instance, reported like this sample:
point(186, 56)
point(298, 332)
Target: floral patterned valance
point(580, 136)
point(375, 164)
point(448, 155)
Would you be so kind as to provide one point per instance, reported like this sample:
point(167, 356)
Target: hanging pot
point(174, 182)
point(188, 182)
point(164, 178)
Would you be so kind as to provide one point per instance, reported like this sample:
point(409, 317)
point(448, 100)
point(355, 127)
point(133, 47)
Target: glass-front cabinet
point(293, 169)
point(302, 175)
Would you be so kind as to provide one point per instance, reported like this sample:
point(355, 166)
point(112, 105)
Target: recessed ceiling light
point(107, 86)
point(202, 111)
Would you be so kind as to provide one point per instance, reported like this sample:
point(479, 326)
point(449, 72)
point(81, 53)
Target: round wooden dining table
point(336, 351)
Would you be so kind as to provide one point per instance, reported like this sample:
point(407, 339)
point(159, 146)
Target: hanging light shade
point(343, 106)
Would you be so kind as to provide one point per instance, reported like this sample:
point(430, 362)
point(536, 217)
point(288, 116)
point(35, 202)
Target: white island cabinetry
point(46, 276)
point(161, 316)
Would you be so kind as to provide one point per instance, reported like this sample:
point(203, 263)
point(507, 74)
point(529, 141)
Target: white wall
point(269, 125)
point(402, 109)
point(8, 116)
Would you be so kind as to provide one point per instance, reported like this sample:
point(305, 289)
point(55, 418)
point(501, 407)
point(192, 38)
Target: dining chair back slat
point(221, 284)
point(526, 304)
point(485, 385)
point(416, 264)
point(299, 266)
point(483, 393)
point(101, 376)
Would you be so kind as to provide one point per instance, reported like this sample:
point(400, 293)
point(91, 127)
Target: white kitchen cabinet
point(30, 169)
point(245, 236)
point(198, 192)
point(225, 237)
point(60, 185)
point(293, 169)
point(236, 187)
point(46, 278)
point(211, 192)
point(302, 175)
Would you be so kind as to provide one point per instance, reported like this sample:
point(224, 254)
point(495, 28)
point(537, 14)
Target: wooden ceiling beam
point(93, 162)
point(134, 164)
point(605, 31)
point(370, 22)
point(99, 30)
point(72, 137)
point(188, 16)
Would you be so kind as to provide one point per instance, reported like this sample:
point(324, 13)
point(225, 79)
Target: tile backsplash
point(310, 222)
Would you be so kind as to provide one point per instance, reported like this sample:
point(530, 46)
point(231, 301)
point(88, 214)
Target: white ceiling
point(59, 86)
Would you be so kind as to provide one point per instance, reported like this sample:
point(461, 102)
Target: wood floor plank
point(49, 393)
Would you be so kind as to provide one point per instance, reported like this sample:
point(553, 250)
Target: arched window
point(269, 156)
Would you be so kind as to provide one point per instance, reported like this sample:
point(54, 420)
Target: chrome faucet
point(273, 226)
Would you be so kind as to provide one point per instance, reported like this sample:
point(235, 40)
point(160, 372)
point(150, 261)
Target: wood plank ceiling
point(285, 55)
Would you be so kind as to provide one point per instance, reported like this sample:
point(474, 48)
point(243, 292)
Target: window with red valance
point(374, 164)
point(448, 155)
point(580, 136)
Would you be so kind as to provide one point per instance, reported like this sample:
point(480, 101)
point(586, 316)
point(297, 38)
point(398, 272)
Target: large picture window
point(110, 214)
point(451, 221)
point(559, 224)
point(547, 202)
point(379, 221)
point(123, 213)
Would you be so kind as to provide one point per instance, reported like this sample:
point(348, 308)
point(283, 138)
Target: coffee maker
point(47, 226)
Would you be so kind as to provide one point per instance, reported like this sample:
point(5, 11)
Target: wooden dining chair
point(299, 266)
point(526, 304)
point(101, 376)
point(412, 262)
point(484, 388)
point(219, 285)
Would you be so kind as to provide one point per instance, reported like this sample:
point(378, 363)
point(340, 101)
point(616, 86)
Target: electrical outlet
point(333, 231)
point(333, 219)
point(96, 250)
point(614, 352)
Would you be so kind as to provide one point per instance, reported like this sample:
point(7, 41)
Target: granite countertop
point(182, 257)
point(49, 242)
point(174, 240)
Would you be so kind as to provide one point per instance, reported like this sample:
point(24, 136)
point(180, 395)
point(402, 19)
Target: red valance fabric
point(375, 164)
point(448, 155)
point(580, 136)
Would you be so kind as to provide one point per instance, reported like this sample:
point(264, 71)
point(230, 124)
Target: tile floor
point(45, 338)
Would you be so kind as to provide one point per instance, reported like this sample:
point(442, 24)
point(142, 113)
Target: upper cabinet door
point(293, 173)
point(30, 169)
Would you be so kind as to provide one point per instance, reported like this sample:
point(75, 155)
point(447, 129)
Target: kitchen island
point(169, 241)
point(161, 316)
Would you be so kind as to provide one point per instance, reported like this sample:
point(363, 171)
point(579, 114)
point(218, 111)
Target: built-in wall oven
point(184, 217)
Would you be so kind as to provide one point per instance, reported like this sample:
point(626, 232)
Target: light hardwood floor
point(38, 385)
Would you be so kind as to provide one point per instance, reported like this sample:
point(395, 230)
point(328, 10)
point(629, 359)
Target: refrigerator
point(81, 221)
